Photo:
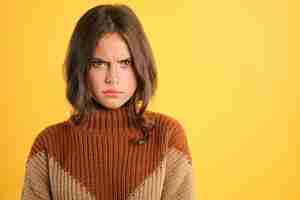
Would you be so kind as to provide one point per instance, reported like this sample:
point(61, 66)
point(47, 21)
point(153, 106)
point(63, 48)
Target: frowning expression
point(111, 69)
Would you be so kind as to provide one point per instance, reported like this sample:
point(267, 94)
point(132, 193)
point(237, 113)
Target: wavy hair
point(91, 27)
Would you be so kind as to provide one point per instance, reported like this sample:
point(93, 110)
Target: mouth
point(112, 94)
point(109, 92)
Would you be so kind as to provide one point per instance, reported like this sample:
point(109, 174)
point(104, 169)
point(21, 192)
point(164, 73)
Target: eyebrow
point(102, 60)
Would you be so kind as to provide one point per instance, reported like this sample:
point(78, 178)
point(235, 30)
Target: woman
point(111, 147)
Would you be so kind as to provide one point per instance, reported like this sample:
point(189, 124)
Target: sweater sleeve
point(36, 184)
point(179, 181)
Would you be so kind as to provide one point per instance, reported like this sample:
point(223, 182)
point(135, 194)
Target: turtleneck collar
point(108, 119)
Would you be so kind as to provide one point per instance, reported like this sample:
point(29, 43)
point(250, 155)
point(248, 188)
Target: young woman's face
point(112, 69)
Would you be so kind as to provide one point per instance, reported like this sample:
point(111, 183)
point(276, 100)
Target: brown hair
point(93, 25)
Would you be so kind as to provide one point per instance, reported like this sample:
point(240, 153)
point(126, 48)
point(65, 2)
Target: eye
point(126, 63)
point(98, 64)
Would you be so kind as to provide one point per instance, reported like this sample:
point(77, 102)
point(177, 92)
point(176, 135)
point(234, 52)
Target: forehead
point(111, 46)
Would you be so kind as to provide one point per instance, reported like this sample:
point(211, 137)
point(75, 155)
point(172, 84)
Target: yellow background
point(227, 69)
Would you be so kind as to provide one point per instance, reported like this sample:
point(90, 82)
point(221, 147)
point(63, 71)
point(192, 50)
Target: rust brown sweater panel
point(94, 160)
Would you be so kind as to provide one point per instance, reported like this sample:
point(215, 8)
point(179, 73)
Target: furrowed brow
point(95, 59)
point(129, 58)
point(99, 60)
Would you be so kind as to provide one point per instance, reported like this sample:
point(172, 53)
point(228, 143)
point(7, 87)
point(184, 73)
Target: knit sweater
point(94, 160)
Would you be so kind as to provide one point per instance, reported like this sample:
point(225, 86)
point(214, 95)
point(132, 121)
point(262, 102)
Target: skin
point(114, 70)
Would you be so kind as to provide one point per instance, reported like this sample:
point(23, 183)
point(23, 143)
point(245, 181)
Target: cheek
point(96, 80)
point(130, 80)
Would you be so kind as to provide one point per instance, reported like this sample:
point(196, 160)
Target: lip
point(111, 91)
point(116, 95)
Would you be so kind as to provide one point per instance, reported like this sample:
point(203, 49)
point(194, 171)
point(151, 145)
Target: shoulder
point(174, 130)
point(164, 120)
point(48, 133)
point(172, 127)
point(53, 128)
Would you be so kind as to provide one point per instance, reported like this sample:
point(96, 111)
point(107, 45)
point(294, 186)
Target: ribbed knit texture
point(95, 161)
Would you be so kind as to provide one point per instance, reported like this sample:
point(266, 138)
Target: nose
point(112, 76)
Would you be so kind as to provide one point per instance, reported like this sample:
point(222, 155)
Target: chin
point(113, 106)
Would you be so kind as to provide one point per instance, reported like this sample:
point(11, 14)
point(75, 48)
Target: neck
point(109, 119)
